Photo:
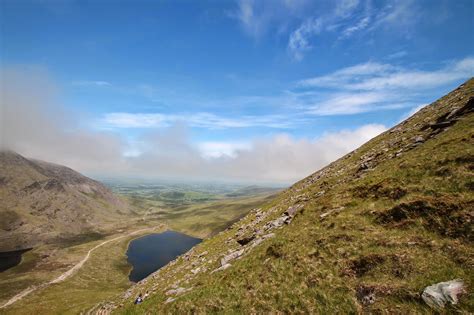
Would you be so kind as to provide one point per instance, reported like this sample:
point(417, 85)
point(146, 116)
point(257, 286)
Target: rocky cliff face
point(41, 202)
point(365, 234)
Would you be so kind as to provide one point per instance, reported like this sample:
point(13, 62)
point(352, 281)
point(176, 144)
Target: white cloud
point(91, 83)
point(299, 42)
point(401, 14)
point(362, 24)
point(398, 54)
point(417, 79)
point(350, 17)
point(258, 17)
point(217, 149)
point(345, 8)
point(375, 86)
point(135, 120)
point(348, 104)
point(345, 76)
point(246, 15)
point(284, 158)
point(280, 158)
point(200, 120)
point(34, 123)
point(376, 76)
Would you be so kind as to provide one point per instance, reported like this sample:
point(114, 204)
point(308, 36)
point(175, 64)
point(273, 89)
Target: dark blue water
point(151, 252)
point(11, 259)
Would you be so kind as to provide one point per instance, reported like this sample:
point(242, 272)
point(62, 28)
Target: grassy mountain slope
point(370, 231)
point(41, 202)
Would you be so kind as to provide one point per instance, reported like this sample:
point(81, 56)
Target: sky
point(254, 91)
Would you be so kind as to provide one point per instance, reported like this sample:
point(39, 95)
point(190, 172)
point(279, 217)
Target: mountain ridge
point(42, 201)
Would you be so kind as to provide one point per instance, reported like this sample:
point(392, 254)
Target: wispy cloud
point(373, 86)
point(377, 76)
point(345, 8)
point(362, 24)
point(398, 54)
point(397, 14)
point(258, 17)
point(136, 120)
point(91, 83)
point(349, 103)
point(350, 17)
point(348, 75)
point(199, 120)
point(299, 42)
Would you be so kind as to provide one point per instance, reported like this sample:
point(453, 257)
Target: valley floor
point(73, 277)
point(76, 279)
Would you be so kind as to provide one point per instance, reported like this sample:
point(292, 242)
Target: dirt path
point(69, 272)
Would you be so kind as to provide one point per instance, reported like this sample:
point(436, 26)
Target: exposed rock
point(224, 267)
point(232, 256)
point(419, 139)
point(437, 295)
point(261, 239)
point(336, 210)
point(458, 112)
point(169, 300)
point(291, 211)
point(277, 222)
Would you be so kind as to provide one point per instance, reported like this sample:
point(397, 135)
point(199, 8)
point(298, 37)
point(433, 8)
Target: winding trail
point(69, 272)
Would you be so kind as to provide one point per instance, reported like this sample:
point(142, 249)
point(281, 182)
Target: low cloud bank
point(279, 158)
point(33, 123)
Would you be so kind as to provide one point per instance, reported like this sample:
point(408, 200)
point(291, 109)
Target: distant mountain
point(42, 201)
point(364, 235)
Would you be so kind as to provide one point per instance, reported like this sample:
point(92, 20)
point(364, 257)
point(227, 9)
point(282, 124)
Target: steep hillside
point(367, 233)
point(41, 201)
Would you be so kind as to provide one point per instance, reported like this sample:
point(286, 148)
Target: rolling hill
point(367, 233)
point(44, 202)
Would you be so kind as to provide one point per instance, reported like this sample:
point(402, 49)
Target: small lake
point(11, 259)
point(151, 252)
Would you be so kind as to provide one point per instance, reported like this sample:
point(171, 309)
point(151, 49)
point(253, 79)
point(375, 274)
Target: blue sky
point(223, 77)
